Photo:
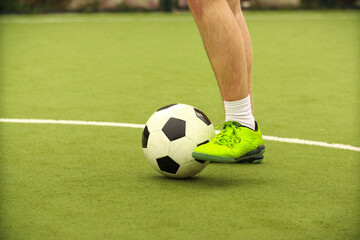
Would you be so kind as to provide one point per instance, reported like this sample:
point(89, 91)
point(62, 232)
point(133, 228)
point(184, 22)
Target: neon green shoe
point(234, 143)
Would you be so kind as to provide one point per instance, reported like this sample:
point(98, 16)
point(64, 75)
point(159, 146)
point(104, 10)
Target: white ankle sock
point(240, 111)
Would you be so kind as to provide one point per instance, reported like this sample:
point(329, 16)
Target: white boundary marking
point(153, 18)
point(132, 125)
point(72, 122)
point(315, 143)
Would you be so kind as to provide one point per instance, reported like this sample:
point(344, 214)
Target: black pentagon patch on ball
point(174, 129)
point(202, 116)
point(145, 137)
point(168, 165)
point(165, 107)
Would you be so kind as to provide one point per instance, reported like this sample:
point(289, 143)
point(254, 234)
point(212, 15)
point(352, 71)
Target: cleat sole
point(255, 156)
point(253, 160)
point(212, 158)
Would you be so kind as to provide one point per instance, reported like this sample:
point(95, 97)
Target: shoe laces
point(229, 135)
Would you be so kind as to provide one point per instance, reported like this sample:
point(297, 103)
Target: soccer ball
point(170, 136)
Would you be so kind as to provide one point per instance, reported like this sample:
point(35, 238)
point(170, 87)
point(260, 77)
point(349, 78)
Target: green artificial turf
point(93, 182)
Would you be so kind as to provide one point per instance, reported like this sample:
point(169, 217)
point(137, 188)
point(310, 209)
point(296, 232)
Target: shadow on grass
point(207, 181)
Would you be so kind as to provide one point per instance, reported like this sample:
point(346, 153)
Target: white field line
point(71, 122)
point(132, 125)
point(315, 143)
point(100, 20)
point(120, 19)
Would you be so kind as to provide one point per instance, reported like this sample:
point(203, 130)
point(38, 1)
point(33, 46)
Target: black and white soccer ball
point(170, 136)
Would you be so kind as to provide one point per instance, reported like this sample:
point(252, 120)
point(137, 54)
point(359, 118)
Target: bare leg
point(225, 45)
point(236, 9)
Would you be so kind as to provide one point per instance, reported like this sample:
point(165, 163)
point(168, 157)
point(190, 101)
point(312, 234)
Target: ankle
point(240, 111)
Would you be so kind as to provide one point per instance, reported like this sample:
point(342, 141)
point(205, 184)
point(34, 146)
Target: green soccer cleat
point(234, 143)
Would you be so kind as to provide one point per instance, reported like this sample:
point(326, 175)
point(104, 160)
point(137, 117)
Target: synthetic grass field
point(93, 182)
